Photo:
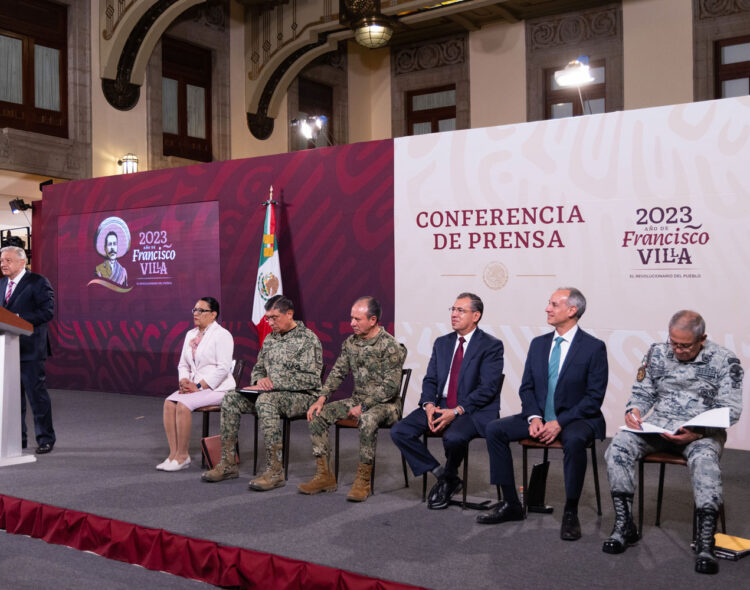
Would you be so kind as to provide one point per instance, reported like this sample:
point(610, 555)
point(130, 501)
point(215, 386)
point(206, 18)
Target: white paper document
point(716, 418)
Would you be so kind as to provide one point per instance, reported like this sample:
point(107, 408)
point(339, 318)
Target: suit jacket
point(34, 301)
point(478, 380)
point(213, 358)
point(581, 383)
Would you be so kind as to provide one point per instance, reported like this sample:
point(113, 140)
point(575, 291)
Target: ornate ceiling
point(283, 36)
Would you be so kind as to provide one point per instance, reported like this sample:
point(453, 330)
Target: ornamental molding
point(715, 8)
point(427, 56)
point(574, 29)
point(114, 11)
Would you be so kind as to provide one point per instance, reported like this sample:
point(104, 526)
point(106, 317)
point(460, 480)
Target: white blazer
point(213, 358)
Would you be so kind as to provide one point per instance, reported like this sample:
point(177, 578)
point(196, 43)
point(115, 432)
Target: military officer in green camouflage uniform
point(375, 360)
point(678, 380)
point(288, 371)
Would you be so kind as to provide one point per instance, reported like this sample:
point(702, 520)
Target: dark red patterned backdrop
point(335, 241)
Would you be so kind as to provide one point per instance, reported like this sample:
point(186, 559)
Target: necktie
point(458, 357)
point(9, 292)
point(552, 371)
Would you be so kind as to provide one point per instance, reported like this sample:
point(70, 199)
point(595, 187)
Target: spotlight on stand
point(17, 205)
point(576, 73)
point(312, 127)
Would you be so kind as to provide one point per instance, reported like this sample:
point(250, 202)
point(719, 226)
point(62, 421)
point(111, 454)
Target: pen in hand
point(631, 416)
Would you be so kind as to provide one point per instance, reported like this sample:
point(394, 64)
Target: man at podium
point(30, 296)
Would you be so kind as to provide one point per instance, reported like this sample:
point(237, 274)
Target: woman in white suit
point(205, 373)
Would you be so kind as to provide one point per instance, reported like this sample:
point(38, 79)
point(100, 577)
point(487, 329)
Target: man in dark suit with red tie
point(562, 390)
point(30, 296)
point(460, 396)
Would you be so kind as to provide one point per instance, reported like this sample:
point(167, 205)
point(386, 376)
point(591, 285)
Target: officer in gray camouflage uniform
point(375, 359)
point(678, 380)
point(288, 370)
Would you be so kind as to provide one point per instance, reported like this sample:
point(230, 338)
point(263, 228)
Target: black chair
point(238, 368)
point(351, 423)
point(464, 504)
point(530, 443)
point(663, 459)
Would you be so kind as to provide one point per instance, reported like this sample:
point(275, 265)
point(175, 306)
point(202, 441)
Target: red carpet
point(160, 550)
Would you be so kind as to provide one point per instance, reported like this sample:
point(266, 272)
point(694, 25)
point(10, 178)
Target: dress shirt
point(564, 348)
point(15, 282)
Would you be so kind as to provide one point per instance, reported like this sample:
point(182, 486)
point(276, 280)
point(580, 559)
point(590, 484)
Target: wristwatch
point(363, 407)
point(456, 412)
point(198, 385)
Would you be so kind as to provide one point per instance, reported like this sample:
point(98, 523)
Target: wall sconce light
point(373, 31)
point(129, 163)
point(371, 28)
point(17, 205)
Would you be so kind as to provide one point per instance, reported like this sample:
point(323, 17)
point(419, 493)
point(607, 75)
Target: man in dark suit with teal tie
point(460, 396)
point(562, 389)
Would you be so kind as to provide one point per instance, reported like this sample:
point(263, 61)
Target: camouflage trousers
point(273, 405)
point(380, 415)
point(702, 461)
point(233, 405)
point(269, 407)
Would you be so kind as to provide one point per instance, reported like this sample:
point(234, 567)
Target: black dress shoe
point(503, 512)
point(447, 488)
point(571, 527)
point(435, 491)
point(44, 448)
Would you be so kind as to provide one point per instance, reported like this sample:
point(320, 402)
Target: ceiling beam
point(507, 14)
point(464, 22)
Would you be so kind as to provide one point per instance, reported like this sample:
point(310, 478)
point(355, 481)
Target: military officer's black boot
point(624, 532)
point(706, 562)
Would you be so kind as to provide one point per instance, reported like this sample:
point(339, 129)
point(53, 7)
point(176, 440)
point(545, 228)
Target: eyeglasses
point(459, 310)
point(199, 310)
point(682, 345)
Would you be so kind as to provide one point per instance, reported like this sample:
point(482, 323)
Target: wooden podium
point(11, 327)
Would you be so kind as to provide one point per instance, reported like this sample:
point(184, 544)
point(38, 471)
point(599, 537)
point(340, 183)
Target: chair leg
point(640, 497)
point(723, 519)
point(466, 475)
point(662, 467)
point(285, 447)
point(206, 417)
point(372, 477)
point(424, 475)
point(525, 479)
point(406, 474)
point(255, 447)
point(336, 455)
point(595, 470)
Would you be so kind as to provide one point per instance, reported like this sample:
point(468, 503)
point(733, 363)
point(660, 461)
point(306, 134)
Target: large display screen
point(148, 264)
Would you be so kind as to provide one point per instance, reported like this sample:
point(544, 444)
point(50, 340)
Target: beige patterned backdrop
point(645, 211)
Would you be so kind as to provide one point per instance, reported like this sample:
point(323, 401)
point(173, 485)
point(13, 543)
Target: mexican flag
point(268, 282)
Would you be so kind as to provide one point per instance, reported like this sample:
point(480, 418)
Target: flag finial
point(270, 200)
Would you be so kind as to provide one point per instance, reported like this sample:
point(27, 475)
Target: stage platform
point(103, 464)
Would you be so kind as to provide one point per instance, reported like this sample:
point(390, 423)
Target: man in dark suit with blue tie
point(562, 390)
point(460, 396)
point(30, 296)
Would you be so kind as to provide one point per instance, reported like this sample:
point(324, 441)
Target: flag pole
point(268, 282)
